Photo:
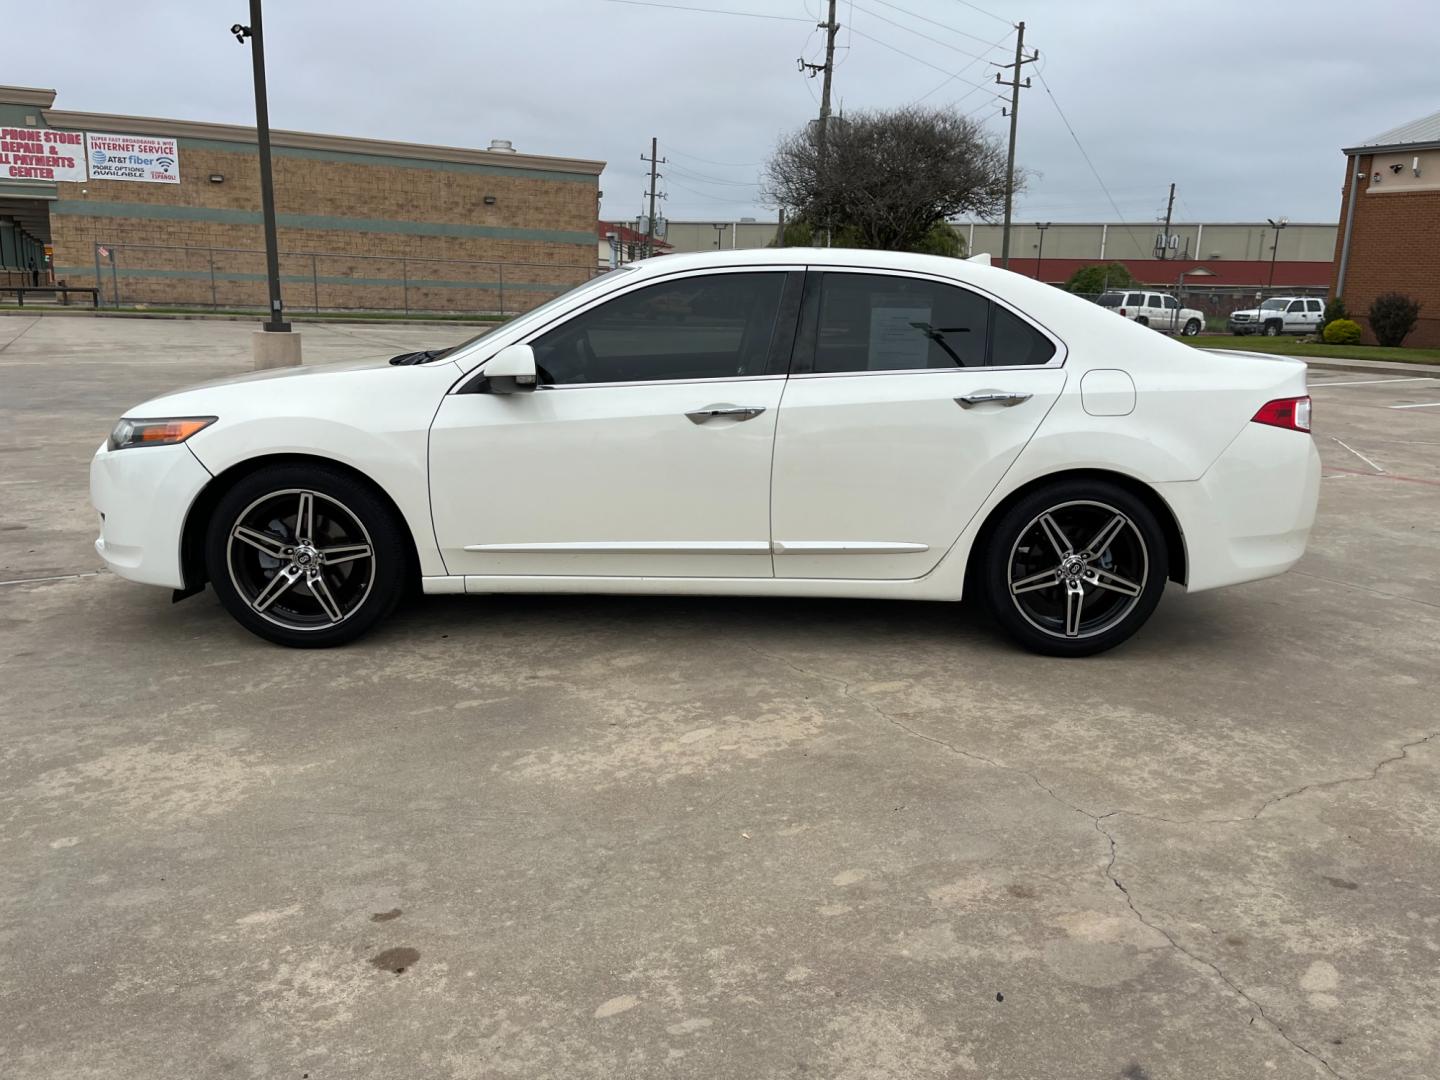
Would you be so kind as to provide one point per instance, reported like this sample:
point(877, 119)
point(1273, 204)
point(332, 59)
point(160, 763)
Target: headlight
point(166, 432)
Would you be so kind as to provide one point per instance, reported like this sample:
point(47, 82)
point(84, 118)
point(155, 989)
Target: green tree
point(1098, 278)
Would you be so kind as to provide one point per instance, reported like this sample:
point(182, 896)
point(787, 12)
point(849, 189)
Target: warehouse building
point(1390, 225)
point(156, 211)
point(1234, 255)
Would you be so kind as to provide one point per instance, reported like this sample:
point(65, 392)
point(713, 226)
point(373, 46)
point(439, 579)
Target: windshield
point(1274, 305)
point(538, 313)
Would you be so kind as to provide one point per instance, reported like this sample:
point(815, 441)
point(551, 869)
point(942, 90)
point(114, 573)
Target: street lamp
point(275, 323)
point(1277, 225)
point(1040, 252)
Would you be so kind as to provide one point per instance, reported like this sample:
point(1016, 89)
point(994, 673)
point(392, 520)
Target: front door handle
point(726, 412)
point(1006, 398)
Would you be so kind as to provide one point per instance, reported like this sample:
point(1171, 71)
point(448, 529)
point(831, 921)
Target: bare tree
point(884, 179)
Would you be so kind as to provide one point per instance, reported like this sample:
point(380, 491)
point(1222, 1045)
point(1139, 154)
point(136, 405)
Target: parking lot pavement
point(601, 837)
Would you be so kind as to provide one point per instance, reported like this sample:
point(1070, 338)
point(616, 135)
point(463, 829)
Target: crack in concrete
point(1098, 819)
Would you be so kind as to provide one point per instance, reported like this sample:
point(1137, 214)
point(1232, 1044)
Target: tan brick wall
point(1395, 247)
point(317, 187)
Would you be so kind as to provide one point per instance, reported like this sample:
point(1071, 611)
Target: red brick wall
point(1395, 247)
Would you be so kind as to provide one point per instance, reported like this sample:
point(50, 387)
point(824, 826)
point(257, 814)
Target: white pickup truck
point(1279, 315)
point(1159, 311)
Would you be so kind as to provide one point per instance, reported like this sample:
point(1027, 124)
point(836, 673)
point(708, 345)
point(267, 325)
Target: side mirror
point(511, 371)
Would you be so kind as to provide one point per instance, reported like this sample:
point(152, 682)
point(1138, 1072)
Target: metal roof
point(1425, 131)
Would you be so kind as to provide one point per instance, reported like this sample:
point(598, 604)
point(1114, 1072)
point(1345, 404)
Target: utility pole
point(655, 161)
point(827, 69)
point(1015, 87)
point(1165, 236)
point(1277, 224)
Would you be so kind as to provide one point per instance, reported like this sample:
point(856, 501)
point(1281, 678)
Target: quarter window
point(875, 322)
point(715, 326)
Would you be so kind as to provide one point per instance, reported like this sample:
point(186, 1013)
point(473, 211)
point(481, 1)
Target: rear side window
point(1135, 299)
point(875, 322)
point(1314, 305)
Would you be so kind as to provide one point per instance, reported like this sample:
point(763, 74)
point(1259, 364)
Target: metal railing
point(224, 278)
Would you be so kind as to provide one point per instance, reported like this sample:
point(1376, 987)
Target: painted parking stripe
point(1377, 382)
point(1423, 405)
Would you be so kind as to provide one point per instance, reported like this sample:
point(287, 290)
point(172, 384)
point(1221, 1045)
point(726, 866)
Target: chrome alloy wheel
point(300, 559)
point(1070, 591)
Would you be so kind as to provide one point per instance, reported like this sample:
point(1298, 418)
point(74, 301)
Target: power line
point(703, 197)
point(932, 22)
point(962, 71)
point(909, 56)
point(982, 11)
point(708, 11)
point(1095, 172)
point(701, 178)
point(723, 164)
point(918, 33)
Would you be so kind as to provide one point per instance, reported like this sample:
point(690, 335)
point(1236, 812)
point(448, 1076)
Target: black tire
point(1021, 550)
point(1192, 328)
point(1143, 321)
point(1272, 329)
point(305, 584)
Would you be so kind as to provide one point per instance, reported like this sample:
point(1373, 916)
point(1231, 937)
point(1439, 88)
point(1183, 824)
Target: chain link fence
point(1217, 302)
point(233, 279)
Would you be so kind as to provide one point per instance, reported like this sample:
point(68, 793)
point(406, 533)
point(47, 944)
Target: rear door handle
point(1006, 398)
point(724, 412)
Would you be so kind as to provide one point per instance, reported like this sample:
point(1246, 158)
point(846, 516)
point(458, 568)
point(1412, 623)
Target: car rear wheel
point(305, 556)
point(1192, 328)
point(1075, 568)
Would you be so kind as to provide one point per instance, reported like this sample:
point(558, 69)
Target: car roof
point(833, 256)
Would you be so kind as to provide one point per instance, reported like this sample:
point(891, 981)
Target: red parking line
point(1384, 476)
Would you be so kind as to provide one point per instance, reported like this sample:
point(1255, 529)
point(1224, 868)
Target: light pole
point(1277, 225)
point(1040, 251)
point(275, 323)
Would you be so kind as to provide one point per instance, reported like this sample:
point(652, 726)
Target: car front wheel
point(1075, 568)
point(1272, 329)
point(305, 556)
point(1192, 328)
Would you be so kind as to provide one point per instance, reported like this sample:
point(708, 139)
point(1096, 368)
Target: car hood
point(261, 392)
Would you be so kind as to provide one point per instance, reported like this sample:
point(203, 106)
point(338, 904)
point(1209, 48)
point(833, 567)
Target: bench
point(63, 290)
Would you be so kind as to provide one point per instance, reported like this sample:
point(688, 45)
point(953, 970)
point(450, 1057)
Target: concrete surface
point(275, 350)
point(594, 837)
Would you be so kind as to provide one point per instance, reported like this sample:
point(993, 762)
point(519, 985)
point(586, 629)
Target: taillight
point(1292, 413)
point(1122, 311)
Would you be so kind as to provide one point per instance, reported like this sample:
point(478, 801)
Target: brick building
point(363, 223)
point(1389, 239)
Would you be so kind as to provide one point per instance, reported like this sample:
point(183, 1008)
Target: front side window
point(715, 326)
point(878, 322)
point(1171, 303)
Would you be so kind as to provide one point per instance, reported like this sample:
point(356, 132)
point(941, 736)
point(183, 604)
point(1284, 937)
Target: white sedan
point(781, 422)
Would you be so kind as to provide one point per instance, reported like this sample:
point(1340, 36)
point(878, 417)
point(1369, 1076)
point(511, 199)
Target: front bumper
point(1250, 515)
point(1242, 327)
point(143, 495)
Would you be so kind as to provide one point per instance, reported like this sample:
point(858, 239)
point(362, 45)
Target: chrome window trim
point(660, 382)
point(1062, 351)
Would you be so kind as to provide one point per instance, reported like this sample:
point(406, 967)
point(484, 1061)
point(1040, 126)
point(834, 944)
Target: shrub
point(1342, 332)
point(1334, 309)
point(1098, 278)
point(1392, 317)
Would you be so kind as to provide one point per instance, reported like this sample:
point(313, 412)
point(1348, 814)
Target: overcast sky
point(1244, 105)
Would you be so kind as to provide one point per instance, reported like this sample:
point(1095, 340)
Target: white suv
point(1279, 315)
point(1159, 311)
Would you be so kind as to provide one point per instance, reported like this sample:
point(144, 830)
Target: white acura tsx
point(780, 422)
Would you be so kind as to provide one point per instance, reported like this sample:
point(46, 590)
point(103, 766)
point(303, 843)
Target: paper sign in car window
point(895, 343)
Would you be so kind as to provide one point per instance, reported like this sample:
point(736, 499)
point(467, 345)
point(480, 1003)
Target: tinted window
point(872, 322)
point(712, 327)
point(1135, 299)
point(1170, 302)
point(1314, 305)
point(1298, 305)
point(1111, 299)
point(1155, 301)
